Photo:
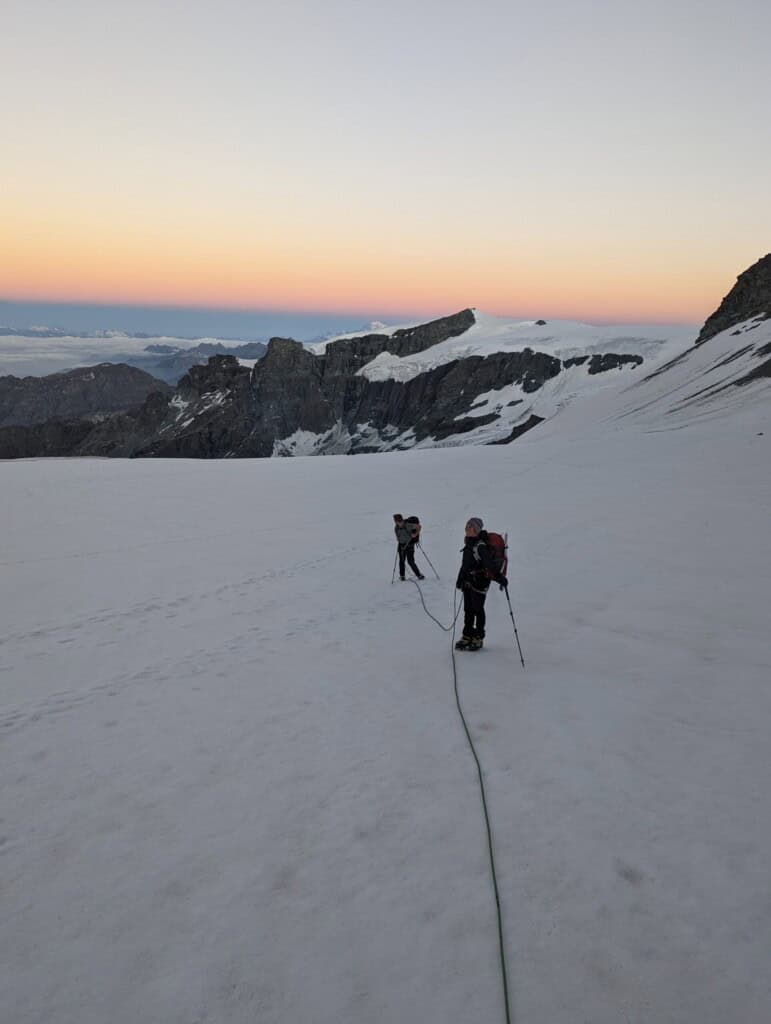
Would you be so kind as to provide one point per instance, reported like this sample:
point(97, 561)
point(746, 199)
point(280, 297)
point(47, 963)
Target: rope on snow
point(488, 826)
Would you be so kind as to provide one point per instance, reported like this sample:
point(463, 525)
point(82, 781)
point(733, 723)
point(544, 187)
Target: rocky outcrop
point(87, 392)
point(210, 413)
point(602, 362)
point(611, 361)
point(760, 371)
point(750, 297)
point(433, 404)
point(172, 364)
point(522, 428)
point(125, 434)
point(349, 355)
point(53, 438)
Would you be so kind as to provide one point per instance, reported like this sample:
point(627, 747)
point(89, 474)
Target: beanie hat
point(476, 522)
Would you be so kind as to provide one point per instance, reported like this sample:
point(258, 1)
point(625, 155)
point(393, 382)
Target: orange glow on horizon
point(77, 263)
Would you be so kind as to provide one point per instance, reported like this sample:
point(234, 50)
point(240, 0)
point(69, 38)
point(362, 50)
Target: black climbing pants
point(407, 553)
point(474, 613)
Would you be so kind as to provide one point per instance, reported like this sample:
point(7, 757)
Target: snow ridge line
point(499, 914)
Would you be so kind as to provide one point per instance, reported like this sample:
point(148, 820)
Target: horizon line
point(597, 318)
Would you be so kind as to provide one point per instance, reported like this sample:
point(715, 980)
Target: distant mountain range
point(43, 350)
point(59, 332)
point(463, 379)
point(170, 363)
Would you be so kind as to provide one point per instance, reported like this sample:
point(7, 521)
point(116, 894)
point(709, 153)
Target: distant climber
point(482, 563)
point(407, 533)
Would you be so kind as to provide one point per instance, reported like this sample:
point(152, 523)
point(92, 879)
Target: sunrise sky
point(602, 160)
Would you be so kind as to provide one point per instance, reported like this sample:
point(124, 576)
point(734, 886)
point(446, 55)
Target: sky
point(604, 161)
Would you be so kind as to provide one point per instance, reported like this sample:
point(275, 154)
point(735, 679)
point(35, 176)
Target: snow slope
point(234, 784)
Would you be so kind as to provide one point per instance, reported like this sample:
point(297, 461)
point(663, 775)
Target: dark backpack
point(413, 526)
point(497, 547)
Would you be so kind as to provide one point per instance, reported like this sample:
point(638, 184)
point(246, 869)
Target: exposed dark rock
point(88, 391)
point(210, 412)
point(55, 437)
point(463, 426)
point(764, 370)
point(520, 429)
point(540, 323)
point(218, 374)
point(667, 366)
point(611, 361)
point(575, 361)
point(735, 355)
point(749, 297)
point(123, 435)
point(431, 403)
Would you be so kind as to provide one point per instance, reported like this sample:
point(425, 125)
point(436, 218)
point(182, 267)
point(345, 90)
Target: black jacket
point(476, 569)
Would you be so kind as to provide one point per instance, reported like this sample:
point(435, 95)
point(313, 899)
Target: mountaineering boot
point(420, 576)
point(465, 643)
point(476, 644)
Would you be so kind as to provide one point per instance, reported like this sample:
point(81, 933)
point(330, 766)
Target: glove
point(503, 582)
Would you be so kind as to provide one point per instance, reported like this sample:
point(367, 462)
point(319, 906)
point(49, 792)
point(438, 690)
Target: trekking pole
point(393, 574)
point(423, 552)
point(516, 634)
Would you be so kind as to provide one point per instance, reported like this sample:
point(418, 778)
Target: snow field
point(235, 786)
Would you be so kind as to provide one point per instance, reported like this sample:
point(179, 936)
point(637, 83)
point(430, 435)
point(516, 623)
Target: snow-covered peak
point(563, 339)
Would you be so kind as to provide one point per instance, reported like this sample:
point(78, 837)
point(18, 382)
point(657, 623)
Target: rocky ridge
point(297, 401)
point(87, 392)
point(750, 298)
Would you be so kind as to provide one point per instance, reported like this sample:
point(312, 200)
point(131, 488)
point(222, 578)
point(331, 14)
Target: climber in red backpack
point(484, 561)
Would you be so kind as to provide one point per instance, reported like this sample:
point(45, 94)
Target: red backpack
point(497, 546)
